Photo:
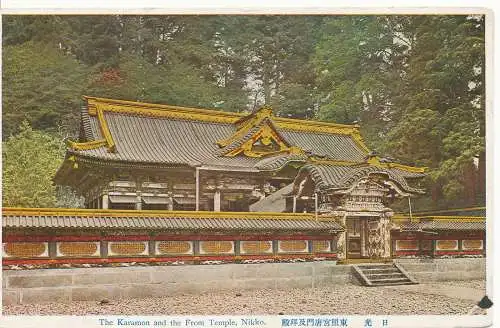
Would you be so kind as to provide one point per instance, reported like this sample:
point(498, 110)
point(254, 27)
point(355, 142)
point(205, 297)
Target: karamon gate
point(167, 184)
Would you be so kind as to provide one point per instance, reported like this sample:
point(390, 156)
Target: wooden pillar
point(138, 202)
point(217, 201)
point(294, 204)
point(197, 188)
point(105, 201)
point(170, 204)
point(316, 206)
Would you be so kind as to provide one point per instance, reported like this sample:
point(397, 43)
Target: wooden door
point(354, 238)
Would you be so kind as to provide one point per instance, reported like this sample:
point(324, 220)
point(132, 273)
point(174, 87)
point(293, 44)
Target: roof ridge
point(229, 117)
point(23, 211)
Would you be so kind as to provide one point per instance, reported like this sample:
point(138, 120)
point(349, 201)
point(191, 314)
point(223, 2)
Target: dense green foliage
point(27, 173)
point(415, 84)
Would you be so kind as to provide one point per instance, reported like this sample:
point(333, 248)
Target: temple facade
point(167, 184)
point(146, 156)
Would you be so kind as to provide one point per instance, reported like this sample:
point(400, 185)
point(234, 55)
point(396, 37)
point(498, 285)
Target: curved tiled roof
point(108, 219)
point(279, 161)
point(344, 176)
point(249, 134)
point(178, 140)
point(441, 225)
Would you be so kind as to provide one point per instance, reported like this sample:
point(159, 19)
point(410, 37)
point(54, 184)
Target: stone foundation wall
point(433, 270)
point(93, 284)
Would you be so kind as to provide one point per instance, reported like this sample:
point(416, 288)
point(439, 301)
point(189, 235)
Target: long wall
point(59, 249)
point(66, 285)
point(445, 269)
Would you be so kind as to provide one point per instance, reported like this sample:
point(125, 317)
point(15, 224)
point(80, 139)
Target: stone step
point(385, 275)
point(377, 284)
point(375, 266)
point(389, 279)
point(378, 271)
point(382, 275)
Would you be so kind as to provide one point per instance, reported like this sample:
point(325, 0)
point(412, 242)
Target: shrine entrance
point(363, 238)
point(359, 201)
point(357, 237)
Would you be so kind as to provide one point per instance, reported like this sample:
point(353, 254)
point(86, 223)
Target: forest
point(415, 85)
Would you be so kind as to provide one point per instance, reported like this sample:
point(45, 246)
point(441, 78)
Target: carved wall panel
point(127, 248)
point(472, 244)
point(379, 238)
point(447, 244)
point(293, 246)
point(405, 245)
point(319, 246)
point(77, 249)
point(256, 247)
point(216, 247)
point(25, 250)
point(174, 247)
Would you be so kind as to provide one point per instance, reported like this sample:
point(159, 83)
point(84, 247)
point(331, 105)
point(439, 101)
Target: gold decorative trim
point(407, 168)
point(356, 136)
point(375, 161)
point(25, 249)
point(105, 130)
point(157, 110)
point(316, 160)
point(206, 115)
point(314, 126)
point(245, 124)
point(216, 247)
point(440, 218)
point(87, 145)
point(14, 211)
point(174, 247)
point(127, 248)
point(472, 244)
point(97, 106)
point(293, 246)
point(266, 134)
point(450, 210)
point(447, 244)
point(76, 249)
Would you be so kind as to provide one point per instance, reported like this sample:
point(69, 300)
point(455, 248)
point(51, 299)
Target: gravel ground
point(347, 299)
point(476, 284)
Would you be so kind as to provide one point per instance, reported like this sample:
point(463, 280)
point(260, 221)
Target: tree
point(30, 160)
point(41, 85)
point(358, 64)
point(441, 107)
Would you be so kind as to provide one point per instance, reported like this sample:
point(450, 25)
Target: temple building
point(146, 156)
point(166, 184)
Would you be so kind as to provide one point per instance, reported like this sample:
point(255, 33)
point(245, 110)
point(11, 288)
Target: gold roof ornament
point(135, 134)
point(257, 136)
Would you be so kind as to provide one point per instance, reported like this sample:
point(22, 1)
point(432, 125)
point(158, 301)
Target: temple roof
point(149, 133)
point(163, 220)
point(328, 176)
point(442, 225)
point(124, 133)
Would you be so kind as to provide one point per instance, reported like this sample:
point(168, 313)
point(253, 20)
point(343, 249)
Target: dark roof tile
point(442, 225)
point(142, 139)
point(169, 222)
point(343, 176)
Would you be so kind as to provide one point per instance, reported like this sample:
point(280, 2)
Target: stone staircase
point(276, 202)
point(382, 274)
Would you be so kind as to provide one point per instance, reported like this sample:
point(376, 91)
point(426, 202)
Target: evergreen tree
point(41, 85)
point(29, 161)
